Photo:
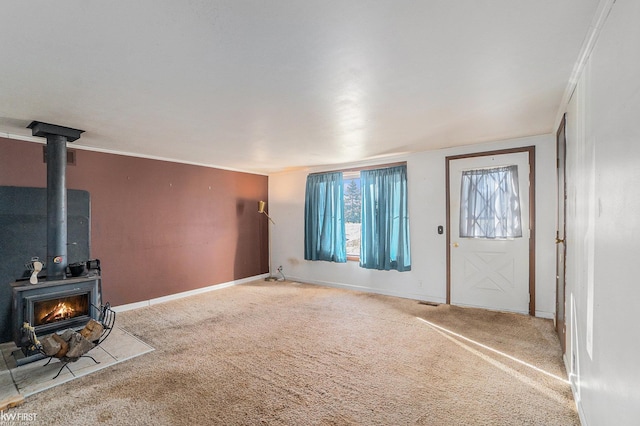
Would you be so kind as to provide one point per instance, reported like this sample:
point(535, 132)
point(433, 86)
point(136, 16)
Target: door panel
point(561, 251)
point(489, 273)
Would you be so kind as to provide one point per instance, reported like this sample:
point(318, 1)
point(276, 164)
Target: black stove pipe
point(57, 138)
point(56, 207)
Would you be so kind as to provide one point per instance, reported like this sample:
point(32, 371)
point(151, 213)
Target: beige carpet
point(294, 354)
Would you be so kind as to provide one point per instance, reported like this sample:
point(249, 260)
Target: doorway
point(561, 247)
point(493, 271)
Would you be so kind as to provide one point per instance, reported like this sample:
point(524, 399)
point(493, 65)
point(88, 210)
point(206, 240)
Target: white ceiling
point(265, 85)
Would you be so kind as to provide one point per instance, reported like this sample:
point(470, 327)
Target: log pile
point(72, 344)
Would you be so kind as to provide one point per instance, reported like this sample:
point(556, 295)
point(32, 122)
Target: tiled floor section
point(35, 377)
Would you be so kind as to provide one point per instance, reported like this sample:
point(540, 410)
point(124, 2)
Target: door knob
point(455, 245)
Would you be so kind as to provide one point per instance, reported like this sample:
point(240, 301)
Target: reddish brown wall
point(158, 227)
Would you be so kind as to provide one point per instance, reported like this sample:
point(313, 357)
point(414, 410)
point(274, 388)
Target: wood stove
point(51, 306)
point(59, 302)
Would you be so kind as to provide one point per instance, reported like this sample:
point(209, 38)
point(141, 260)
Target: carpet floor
point(291, 354)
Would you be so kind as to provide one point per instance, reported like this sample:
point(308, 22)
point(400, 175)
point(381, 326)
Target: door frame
point(531, 150)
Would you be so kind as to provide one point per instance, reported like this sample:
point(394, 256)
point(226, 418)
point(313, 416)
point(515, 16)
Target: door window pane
point(490, 203)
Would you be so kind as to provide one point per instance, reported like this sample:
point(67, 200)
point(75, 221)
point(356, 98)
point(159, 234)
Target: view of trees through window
point(352, 213)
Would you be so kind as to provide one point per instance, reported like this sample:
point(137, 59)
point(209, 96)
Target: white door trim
point(531, 150)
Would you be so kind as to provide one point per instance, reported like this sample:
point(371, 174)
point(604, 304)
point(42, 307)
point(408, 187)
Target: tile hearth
point(20, 382)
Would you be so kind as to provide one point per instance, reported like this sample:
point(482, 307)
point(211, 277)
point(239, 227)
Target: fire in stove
point(60, 309)
point(60, 312)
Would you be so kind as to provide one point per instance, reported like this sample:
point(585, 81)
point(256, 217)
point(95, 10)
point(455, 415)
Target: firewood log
point(78, 346)
point(64, 346)
point(92, 331)
point(50, 346)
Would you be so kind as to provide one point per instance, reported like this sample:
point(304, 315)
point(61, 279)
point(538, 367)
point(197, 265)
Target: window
point(359, 214)
point(352, 213)
point(490, 203)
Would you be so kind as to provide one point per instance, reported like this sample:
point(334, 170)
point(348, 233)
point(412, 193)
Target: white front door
point(484, 272)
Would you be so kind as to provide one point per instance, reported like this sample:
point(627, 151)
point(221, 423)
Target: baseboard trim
point(576, 396)
point(131, 306)
point(163, 299)
point(421, 297)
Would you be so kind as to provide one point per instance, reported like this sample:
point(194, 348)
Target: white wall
point(426, 183)
point(603, 225)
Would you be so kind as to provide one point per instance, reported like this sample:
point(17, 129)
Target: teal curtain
point(385, 219)
point(324, 234)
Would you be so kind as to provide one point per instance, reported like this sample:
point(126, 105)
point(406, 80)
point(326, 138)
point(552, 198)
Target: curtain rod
point(358, 169)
